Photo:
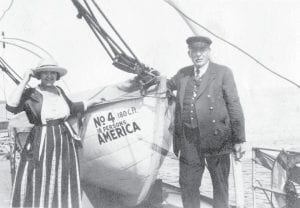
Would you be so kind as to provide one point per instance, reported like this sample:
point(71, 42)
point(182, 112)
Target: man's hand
point(238, 151)
point(93, 102)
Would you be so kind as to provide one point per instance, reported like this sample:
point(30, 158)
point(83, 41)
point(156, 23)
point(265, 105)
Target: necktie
point(197, 73)
point(197, 77)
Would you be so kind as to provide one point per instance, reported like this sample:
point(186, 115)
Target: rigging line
point(99, 38)
point(97, 30)
point(91, 11)
point(116, 32)
point(231, 44)
point(107, 38)
point(4, 69)
point(31, 43)
point(9, 67)
point(26, 49)
point(92, 24)
point(8, 8)
point(110, 41)
point(89, 19)
point(94, 19)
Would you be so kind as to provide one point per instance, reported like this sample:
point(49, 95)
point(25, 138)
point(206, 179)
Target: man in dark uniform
point(209, 123)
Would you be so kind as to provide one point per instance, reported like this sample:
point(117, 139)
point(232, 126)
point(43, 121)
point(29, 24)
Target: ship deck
point(94, 197)
point(166, 197)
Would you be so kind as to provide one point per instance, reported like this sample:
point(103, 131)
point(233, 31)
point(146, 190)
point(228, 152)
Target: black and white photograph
point(150, 104)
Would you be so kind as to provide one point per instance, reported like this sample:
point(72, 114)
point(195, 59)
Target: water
point(169, 172)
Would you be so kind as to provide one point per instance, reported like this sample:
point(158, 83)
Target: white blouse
point(54, 106)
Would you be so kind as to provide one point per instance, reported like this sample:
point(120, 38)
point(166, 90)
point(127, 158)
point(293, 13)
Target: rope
point(231, 44)
point(4, 69)
point(102, 35)
point(5, 66)
point(9, 67)
point(26, 49)
point(97, 29)
point(93, 29)
point(9, 7)
point(116, 32)
point(31, 43)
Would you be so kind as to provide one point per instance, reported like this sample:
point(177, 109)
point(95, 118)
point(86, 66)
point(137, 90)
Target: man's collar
point(202, 69)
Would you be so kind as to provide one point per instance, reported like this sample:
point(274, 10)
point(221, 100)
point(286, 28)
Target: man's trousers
point(192, 164)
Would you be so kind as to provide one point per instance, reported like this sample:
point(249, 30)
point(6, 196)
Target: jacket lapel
point(35, 103)
point(184, 80)
point(36, 96)
point(207, 79)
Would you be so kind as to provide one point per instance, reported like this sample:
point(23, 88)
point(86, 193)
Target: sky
point(269, 30)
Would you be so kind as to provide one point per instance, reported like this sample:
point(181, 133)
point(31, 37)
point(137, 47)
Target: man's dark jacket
point(218, 110)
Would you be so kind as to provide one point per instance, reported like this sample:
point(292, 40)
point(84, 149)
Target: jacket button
point(211, 108)
point(214, 121)
point(209, 96)
point(216, 132)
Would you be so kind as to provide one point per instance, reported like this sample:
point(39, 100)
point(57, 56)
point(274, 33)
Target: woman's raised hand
point(27, 75)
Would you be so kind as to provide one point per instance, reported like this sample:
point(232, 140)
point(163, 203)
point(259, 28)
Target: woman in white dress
point(48, 172)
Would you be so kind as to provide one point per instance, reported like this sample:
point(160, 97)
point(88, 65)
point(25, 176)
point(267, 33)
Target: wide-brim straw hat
point(46, 65)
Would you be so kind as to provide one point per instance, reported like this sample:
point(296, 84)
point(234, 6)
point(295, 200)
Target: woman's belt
point(53, 122)
point(67, 125)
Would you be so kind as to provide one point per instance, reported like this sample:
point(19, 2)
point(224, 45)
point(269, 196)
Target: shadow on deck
point(162, 196)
